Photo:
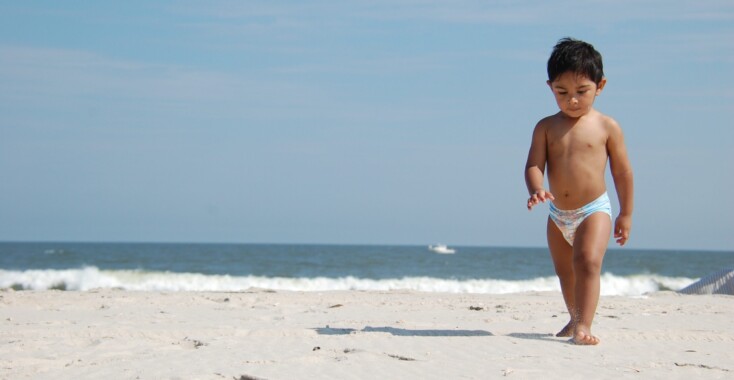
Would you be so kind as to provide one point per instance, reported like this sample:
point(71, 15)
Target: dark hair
point(576, 56)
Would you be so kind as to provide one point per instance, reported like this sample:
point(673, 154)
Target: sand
point(259, 334)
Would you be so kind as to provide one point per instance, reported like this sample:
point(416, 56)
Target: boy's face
point(575, 93)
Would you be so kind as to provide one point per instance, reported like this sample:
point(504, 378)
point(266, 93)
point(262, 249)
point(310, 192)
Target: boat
point(442, 249)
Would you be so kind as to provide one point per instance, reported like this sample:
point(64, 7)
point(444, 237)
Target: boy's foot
point(584, 338)
point(566, 331)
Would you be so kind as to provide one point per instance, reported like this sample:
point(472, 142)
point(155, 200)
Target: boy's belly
point(575, 191)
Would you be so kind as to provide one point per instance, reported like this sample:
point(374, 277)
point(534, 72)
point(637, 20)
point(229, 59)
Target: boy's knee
point(564, 272)
point(586, 262)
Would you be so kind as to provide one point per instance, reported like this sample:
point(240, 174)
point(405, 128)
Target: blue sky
point(376, 122)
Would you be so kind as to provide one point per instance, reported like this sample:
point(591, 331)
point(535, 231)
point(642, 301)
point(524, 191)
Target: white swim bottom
point(569, 220)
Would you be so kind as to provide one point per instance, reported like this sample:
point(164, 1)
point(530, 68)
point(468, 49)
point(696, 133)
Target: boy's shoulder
point(548, 121)
point(607, 122)
point(596, 117)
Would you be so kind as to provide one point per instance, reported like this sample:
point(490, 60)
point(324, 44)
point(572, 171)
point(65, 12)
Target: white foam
point(91, 277)
point(612, 285)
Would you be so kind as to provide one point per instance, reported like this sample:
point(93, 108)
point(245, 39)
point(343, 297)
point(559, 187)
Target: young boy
point(574, 145)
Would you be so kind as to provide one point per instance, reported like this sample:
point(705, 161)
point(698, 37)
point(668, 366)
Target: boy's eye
point(562, 93)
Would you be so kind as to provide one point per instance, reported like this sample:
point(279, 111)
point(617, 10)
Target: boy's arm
point(535, 168)
point(622, 173)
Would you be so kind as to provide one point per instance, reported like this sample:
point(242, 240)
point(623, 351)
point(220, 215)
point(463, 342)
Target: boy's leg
point(562, 255)
point(589, 247)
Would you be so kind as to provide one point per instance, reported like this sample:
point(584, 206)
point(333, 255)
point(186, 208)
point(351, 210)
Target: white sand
point(112, 334)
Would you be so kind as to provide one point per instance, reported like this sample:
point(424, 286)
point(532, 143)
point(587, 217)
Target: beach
point(266, 334)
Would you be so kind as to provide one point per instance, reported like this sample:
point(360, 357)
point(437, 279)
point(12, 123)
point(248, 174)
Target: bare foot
point(584, 338)
point(566, 331)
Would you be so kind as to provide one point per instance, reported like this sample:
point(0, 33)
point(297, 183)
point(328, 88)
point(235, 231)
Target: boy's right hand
point(539, 196)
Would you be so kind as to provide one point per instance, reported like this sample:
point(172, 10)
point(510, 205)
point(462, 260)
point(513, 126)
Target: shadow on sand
point(536, 336)
point(402, 332)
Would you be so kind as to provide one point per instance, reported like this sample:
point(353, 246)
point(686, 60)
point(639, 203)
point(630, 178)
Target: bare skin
point(574, 145)
point(579, 270)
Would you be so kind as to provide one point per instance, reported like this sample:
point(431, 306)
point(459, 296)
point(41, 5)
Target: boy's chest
point(575, 140)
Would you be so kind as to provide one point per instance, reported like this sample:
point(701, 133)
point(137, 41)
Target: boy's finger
point(622, 236)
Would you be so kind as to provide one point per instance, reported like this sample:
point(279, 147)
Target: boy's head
point(579, 57)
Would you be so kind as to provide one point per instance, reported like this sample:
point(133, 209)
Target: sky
point(348, 122)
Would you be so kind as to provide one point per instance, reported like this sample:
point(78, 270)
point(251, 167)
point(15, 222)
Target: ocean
point(236, 267)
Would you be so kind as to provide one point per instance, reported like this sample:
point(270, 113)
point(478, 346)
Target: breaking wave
point(88, 278)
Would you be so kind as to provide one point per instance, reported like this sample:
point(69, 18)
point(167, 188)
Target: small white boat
point(442, 249)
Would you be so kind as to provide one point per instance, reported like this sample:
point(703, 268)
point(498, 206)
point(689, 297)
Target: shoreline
point(264, 334)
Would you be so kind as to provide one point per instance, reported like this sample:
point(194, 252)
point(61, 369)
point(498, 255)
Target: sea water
point(236, 267)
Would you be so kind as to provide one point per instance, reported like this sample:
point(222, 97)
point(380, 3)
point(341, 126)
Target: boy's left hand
point(622, 228)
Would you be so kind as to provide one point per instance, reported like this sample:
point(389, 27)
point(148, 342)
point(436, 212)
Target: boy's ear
point(600, 86)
